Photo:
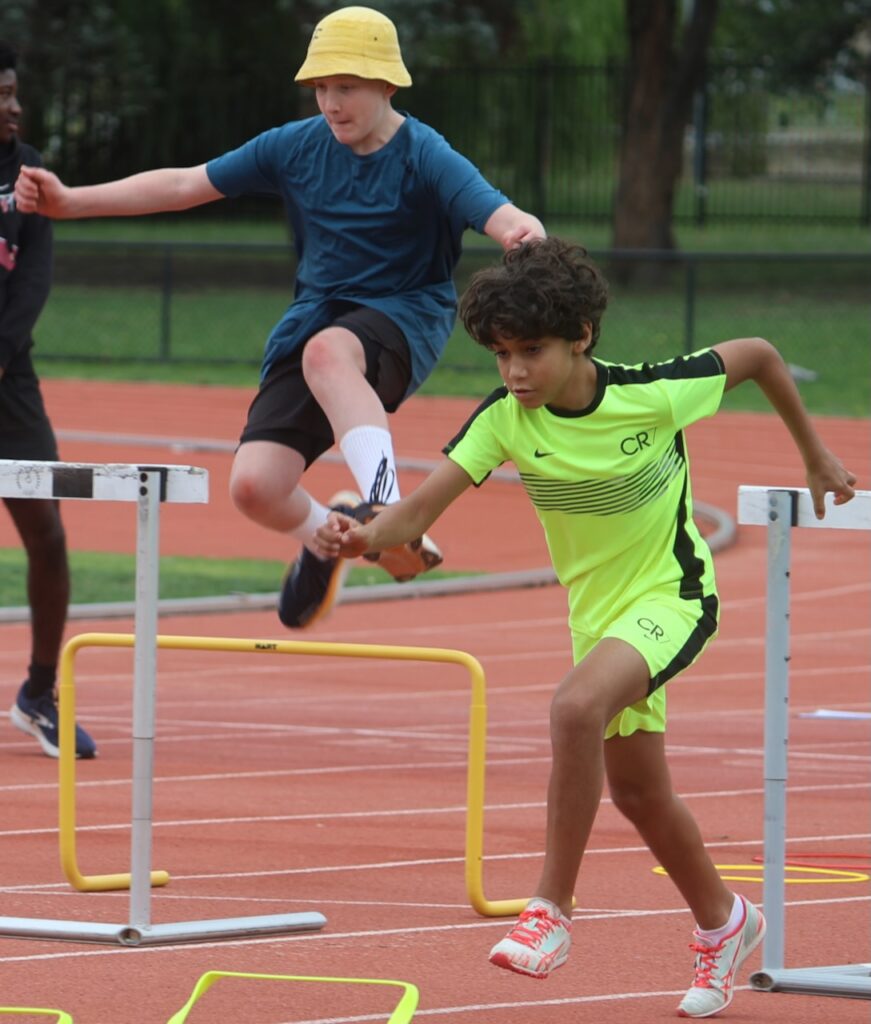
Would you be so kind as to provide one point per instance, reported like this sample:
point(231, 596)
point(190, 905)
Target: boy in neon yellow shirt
point(601, 452)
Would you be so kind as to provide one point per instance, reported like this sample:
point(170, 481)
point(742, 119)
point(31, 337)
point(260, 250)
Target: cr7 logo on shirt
point(636, 443)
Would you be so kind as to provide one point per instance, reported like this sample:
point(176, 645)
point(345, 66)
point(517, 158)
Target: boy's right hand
point(40, 191)
point(828, 474)
point(341, 537)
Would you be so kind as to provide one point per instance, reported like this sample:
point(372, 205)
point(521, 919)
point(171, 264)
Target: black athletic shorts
point(25, 430)
point(285, 411)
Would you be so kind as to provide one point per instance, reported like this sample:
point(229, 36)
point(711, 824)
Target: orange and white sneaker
point(538, 943)
point(716, 966)
point(405, 561)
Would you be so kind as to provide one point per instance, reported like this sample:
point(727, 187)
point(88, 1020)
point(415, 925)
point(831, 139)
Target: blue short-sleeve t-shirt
point(382, 230)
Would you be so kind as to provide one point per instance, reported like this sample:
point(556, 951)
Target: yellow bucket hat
point(354, 41)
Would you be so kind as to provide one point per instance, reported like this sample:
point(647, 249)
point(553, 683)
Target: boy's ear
point(586, 338)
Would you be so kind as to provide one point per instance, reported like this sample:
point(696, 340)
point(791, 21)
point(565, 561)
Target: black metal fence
point(215, 304)
point(547, 135)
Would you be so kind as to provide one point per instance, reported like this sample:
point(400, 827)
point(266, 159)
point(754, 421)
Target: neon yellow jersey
point(609, 483)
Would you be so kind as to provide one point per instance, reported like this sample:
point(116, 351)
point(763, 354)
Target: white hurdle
point(147, 486)
point(780, 510)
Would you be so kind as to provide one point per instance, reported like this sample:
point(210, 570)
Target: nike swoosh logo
point(542, 455)
point(5, 188)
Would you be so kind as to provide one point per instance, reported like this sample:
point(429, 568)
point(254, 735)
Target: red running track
point(288, 784)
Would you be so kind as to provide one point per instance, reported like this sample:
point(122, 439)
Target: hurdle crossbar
point(780, 510)
point(476, 761)
point(147, 487)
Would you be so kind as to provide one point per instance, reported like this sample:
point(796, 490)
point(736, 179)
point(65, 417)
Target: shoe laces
point(533, 926)
point(382, 485)
point(706, 963)
point(46, 702)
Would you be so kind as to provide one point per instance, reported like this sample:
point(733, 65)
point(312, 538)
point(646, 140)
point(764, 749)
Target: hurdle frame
point(476, 757)
point(147, 486)
point(781, 510)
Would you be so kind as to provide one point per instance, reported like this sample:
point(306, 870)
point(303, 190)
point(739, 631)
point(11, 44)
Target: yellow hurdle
point(401, 1015)
point(59, 1016)
point(474, 855)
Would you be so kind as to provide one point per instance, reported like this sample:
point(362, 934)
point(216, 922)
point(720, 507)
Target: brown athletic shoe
point(405, 561)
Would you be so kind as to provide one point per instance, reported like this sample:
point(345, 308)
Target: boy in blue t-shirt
point(601, 452)
point(378, 203)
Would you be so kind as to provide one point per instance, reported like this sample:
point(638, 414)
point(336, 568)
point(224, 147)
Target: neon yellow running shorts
point(670, 633)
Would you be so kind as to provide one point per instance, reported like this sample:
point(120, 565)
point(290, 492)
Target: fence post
point(165, 305)
point(700, 153)
point(689, 305)
point(865, 212)
point(542, 85)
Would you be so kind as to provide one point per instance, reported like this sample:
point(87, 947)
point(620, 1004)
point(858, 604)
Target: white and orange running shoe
point(538, 943)
point(716, 966)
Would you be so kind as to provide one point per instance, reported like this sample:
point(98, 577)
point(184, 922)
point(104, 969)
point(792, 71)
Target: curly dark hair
point(545, 288)
point(8, 57)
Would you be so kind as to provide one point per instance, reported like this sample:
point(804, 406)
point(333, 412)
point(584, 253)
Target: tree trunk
point(661, 82)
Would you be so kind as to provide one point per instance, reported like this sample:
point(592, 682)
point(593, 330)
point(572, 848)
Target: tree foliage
point(800, 42)
point(112, 86)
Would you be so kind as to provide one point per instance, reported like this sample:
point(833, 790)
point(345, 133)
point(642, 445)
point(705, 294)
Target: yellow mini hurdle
point(58, 1015)
point(402, 1014)
point(476, 748)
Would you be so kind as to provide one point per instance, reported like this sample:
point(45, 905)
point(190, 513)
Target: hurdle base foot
point(850, 980)
point(160, 934)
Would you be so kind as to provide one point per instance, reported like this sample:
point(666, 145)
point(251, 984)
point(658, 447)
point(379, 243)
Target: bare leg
point(264, 482)
point(612, 676)
point(48, 580)
point(334, 367)
point(264, 485)
point(641, 788)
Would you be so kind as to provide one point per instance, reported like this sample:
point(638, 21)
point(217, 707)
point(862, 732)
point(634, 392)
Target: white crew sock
point(305, 532)
point(368, 452)
point(716, 935)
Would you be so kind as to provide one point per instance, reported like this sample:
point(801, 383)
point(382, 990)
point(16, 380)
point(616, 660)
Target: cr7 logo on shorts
point(636, 443)
point(652, 630)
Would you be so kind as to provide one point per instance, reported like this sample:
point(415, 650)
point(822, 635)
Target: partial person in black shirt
point(25, 430)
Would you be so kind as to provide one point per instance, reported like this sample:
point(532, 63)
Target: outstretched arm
point(510, 226)
point(164, 190)
point(397, 523)
point(755, 359)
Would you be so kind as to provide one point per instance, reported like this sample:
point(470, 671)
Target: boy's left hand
point(828, 474)
point(338, 537)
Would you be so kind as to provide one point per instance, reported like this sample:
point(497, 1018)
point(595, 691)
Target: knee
point(628, 799)
point(330, 355)
point(248, 492)
point(639, 802)
point(572, 715)
point(43, 535)
point(318, 358)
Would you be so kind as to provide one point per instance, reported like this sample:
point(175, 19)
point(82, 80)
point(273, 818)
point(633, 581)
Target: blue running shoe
point(312, 585)
point(38, 717)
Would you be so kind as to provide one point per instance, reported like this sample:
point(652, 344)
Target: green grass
point(817, 314)
point(99, 577)
point(650, 327)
